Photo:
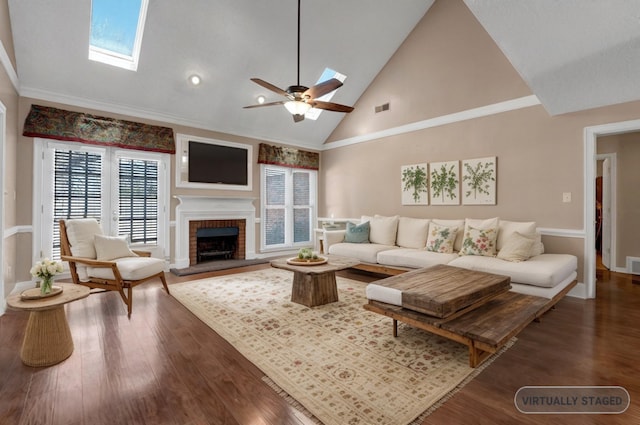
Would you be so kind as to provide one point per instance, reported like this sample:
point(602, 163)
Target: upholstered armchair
point(106, 262)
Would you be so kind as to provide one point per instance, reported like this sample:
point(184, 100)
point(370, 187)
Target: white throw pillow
point(441, 238)
point(538, 246)
point(80, 233)
point(111, 247)
point(383, 230)
point(507, 228)
point(517, 248)
point(412, 232)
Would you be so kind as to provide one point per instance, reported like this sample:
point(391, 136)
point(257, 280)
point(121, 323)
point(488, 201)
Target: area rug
point(216, 265)
point(338, 361)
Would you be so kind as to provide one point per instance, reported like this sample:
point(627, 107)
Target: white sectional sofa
point(396, 244)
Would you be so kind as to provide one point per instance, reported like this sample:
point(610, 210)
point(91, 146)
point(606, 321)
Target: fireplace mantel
point(212, 208)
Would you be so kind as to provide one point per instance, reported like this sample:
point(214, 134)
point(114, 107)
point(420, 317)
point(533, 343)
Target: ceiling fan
point(300, 98)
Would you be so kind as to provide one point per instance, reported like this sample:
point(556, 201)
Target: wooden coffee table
point(315, 284)
point(47, 339)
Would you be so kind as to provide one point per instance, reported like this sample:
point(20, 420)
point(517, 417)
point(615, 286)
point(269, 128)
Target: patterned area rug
point(339, 361)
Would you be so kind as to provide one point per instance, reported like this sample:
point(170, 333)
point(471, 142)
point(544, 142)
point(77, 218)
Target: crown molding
point(482, 111)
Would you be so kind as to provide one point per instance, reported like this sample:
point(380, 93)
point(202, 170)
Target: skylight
point(328, 74)
point(116, 32)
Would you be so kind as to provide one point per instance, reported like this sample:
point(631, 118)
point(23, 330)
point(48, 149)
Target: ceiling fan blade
point(330, 106)
point(323, 88)
point(280, 102)
point(271, 87)
point(298, 118)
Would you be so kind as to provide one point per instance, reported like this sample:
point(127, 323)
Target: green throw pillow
point(357, 233)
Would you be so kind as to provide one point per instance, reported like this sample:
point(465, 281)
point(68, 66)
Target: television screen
point(209, 163)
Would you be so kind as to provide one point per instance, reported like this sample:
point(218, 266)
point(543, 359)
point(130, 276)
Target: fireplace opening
point(217, 243)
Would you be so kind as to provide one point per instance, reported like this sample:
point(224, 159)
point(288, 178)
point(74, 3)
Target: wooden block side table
point(47, 339)
point(315, 285)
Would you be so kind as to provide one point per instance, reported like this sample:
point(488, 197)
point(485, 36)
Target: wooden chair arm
point(142, 253)
point(88, 261)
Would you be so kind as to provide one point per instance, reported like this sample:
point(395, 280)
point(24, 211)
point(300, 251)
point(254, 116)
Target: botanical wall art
point(479, 181)
point(444, 183)
point(415, 184)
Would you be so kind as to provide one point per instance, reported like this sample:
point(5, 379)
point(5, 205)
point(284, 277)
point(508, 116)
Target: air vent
point(633, 265)
point(384, 107)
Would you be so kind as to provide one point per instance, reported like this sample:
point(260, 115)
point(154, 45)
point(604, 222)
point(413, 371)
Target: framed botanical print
point(479, 181)
point(444, 183)
point(415, 184)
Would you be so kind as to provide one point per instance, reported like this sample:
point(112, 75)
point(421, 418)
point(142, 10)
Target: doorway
point(605, 208)
point(591, 135)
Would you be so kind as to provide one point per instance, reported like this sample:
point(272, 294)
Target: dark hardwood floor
point(164, 366)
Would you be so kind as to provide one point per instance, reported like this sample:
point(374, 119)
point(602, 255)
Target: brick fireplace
point(237, 249)
point(198, 212)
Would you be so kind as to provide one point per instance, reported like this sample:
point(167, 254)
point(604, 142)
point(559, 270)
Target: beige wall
point(9, 98)
point(627, 148)
point(539, 157)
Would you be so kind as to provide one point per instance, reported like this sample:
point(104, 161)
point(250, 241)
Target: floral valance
point(288, 157)
point(54, 123)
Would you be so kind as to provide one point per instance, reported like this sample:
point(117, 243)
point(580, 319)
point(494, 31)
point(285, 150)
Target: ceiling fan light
point(296, 107)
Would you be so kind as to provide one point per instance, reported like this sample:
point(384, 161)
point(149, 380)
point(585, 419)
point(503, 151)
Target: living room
point(453, 95)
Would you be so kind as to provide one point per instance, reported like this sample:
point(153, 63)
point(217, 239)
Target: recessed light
point(194, 79)
point(260, 99)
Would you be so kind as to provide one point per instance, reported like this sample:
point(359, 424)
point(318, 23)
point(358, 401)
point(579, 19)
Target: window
point(288, 207)
point(127, 191)
point(327, 74)
point(116, 32)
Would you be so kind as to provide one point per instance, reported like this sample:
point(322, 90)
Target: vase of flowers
point(45, 270)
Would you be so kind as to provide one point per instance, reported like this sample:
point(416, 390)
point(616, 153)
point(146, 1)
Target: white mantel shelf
point(193, 208)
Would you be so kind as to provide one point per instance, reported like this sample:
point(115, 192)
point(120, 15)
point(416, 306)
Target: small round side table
point(47, 339)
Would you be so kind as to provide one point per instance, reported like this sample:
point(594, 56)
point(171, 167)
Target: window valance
point(54, 123)
point(288, 157)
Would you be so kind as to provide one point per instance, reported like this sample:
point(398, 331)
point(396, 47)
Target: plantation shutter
point(275, 204)
point(301, 207)
point(138, 200)
point(77, 189)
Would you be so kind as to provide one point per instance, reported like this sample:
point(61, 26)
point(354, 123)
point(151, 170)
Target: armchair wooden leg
point(164, 283)
point(129, 301)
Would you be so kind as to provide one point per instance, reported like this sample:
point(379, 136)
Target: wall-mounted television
point(212, 164)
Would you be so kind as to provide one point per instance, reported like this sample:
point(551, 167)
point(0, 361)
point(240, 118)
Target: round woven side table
point(47, 338)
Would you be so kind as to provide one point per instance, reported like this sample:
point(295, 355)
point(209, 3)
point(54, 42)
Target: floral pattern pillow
point(441, 238)
point(479, 241)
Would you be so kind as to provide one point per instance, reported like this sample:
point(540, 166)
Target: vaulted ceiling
point(574, 55)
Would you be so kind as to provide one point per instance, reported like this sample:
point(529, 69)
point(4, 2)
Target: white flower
point(46, 268)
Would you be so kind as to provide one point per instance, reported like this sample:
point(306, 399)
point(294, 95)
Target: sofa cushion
point(383, 230)
point(80, 233)
point(546, 270)
point(457, 244)
point(366, 252)
point(357, 233)
point(412, 232)
point(507, 228)
point(441, 238)
point(517, 247)
point(111, 247)
point(479, 241)
point(413, 258)
point(131, 268)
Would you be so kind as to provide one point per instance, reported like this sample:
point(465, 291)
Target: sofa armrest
point(332, 237)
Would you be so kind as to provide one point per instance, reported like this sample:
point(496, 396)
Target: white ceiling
point(573, 54)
